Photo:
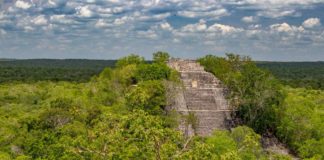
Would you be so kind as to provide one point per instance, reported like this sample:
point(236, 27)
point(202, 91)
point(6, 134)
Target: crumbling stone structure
point(202, 96)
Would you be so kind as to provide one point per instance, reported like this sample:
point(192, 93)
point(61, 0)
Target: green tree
point(254, 92)
point(131, 59)
point(147, 95)
point(152, 72)
point(160, 57)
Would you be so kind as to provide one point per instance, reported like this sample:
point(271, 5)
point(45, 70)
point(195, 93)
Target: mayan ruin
point(202, 96)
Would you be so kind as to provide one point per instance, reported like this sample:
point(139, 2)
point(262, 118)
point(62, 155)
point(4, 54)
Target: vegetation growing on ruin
point(119, 114)
point(293, 115)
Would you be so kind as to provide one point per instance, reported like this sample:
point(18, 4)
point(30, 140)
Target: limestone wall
point(202, 95)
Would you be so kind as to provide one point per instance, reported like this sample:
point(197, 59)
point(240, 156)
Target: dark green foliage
point(153, 71)
point(131, 59)
point(119, 114)
point(293, 115)
point(297, 74)
point(160, 57)
point(254, 92)
point(51, 70)
point(301, 122)
point(241, 143)
point(149, 96)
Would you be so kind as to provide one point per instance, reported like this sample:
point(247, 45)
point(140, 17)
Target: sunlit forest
point(91, 109)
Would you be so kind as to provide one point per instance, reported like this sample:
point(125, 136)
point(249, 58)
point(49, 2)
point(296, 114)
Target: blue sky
point(280, 30)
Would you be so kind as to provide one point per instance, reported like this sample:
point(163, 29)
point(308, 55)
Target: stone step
point(196, 105)
point(201, 76)
point(203, 95)
point(198, 92)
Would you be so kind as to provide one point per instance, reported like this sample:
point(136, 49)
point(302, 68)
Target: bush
point(160, 57)
point(131, 59)
point(148, 96)
point(254, 92)
point(152, 72)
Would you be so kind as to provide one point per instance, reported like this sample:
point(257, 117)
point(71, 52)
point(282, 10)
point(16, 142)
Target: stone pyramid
point(202, 96)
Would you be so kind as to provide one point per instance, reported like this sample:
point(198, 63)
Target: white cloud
point(197, 27)
point(274, 8)
point(285, 27)
point(248, 19)
point(147, 34)
point(114, 1)
point(156, 17)
point(224, 29)
point(312, 22)
point(102, 24)
point(56, 3)
point(201, 29)
point(214, 14)
point(277, 13)
point(40, 20)
point(136, 22)
point(22, 4)
point(166, 26)
point(122, 20)
point(84, 11)
point(61, 19)
point(28, 28)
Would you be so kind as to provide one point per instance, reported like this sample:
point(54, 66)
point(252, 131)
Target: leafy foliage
point(154, 71)
point(131, 59)
point(293, 115)
point(160, 57)
point(301, 123)
point(148, 96)
point(254, 92)
point(119, 114)
point(51, 70)
point(297, 74)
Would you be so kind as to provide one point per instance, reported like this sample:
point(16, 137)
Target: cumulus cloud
point(275, 8)
point(186, 22)
point(147, 34)
point(101, 23)
point(84, 11)
point(22, 4)
point(215, 14)
point(40, 20)
point(122, 20)
point(248, 19)
point(214, 28)
point(61, 19)
point(166, 26)
point(197, 27)
point(224, 29)
point(312, 22)
point(285, 27)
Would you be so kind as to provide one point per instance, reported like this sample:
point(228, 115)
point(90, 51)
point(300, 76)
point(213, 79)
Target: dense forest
point(120, 113)
point(33, 70)
point(295, 74)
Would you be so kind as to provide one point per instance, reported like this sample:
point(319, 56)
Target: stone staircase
point(203, 96)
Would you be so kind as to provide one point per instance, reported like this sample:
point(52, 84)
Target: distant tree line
point(295, 74)
point(51, 70)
